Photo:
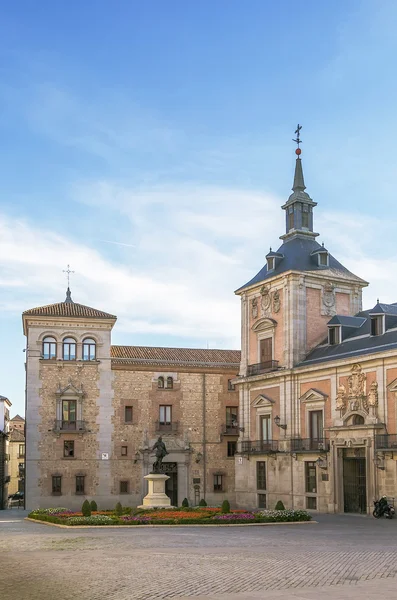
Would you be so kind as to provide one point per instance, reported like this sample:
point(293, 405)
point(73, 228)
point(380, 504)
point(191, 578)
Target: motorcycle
point(383, 507)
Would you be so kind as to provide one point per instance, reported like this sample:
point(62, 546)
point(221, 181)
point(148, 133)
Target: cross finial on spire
point(68, 272)
point(298, 139)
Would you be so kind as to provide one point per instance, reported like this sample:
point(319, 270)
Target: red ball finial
point(298, 151)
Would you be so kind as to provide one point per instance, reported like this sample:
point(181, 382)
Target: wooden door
point(266, 347)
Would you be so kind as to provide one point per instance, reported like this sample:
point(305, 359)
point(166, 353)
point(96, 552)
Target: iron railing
point(263, 367)
point(386, 442)
point(259, 446)
point(309, 445)
point(162, 427)
point(229, 429)
point(69, 426)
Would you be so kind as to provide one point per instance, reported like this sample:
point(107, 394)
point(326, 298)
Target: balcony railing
point(69, 426)
point(309, 445)
point(259, 447)
point(167, 427)
point(386, 442)
point(263, 367)
point(229, 429)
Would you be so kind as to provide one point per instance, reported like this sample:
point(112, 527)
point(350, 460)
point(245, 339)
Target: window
point(56, 485)
point(49, 348)
point(377, 325)
point(231, 417)
point(230, 386)
point(124, 487)
point(124, 450)
point(68, 449)
point(89, 349)
point(358, 420)
point(69, 408)
point(218, 483)
point(333, 335)
point(311, 502)
point(165, 415)
point(128, 414)
point(21, 450)
point(270, 263)
point(231, 448)
point(69, 349)
point(170, 383)
point(160, 383)
point(311, 477)
point(323, 259)
point(265, 431)
point(291, 218)
point(261, 475)
point(266, 351)
point(316, 425)
point(305, 219)
point(261, 500)
point(80, 484)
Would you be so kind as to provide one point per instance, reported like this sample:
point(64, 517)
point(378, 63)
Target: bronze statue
point(161, 452)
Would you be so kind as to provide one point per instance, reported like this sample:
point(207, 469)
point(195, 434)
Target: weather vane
point(298, 139)
point(68, 272)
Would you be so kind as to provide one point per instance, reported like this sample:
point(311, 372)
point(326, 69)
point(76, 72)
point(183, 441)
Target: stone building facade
point(94, 411)
point(318, 379)
point(16, 448)
point(5, 405)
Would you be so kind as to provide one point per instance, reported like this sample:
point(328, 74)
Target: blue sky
point(149, 146)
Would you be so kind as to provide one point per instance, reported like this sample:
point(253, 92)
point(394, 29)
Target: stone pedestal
point(156, 496)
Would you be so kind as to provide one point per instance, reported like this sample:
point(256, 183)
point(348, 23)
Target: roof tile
point(68, 309)
point(185, 356)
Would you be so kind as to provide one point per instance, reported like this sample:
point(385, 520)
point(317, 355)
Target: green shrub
point(94, 520)
point(94, 506)
point(279, 506)
point(185, 503)
point(202, 502)
point(119, 509)
point(225, 507)
point(86, 509)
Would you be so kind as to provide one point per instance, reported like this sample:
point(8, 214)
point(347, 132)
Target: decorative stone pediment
point(264, 324)
point(313, 395)
point(262, 400)
point(70, 390)
point(392, 387)
point(356, 398)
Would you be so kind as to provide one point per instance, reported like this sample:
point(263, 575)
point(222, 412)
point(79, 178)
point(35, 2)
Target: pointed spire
point(299, 183)
point(68, 299)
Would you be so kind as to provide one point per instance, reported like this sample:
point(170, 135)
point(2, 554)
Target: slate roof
point(198, 357)
point(68, 309)
point(298, 257)
point(358, 341)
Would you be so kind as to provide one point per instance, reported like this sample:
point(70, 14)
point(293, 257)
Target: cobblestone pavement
point(340, 557)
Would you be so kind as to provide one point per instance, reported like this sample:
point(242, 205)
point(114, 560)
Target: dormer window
point(271, 263)
point(323, 259)
point(333, 335)
point(377, 325)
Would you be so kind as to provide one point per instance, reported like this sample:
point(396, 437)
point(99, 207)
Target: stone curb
point(181, 525)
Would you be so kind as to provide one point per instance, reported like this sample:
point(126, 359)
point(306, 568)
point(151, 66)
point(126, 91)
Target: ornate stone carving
point(276, 301)
point(341, 397)
point(357, 383)
point(328, 300)
point(254, 308)
point(372, 399)
point(266, 298)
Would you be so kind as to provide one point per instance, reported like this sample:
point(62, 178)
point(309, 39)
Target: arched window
point(49, 348)
point(89, 349)
point(69, 349)
point(170, 383)
point(160, 382)
point(357, 420)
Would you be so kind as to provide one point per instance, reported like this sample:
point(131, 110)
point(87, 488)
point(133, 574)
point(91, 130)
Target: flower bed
point(191, 516)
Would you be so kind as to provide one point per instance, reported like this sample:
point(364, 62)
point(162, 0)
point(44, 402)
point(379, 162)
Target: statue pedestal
point(156, 496)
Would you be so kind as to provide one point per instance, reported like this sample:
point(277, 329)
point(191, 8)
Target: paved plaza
point(341, 557)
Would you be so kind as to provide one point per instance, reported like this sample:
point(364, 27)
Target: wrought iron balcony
point(259, 447)
point(386, 442)
point(309, 445)
point(230, 429)
point(263, 367)
point(167, 427)
point(69, 426)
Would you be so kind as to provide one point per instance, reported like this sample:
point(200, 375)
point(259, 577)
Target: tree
point(86, 509)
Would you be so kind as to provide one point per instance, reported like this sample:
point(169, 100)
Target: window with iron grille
point(261, 500)
point(311, 477)
point(128, 414)
point(230, 386)
point(218, 483)
point(231, 448)
point(311, 502)
point(170, 383)
point(231, 417)
point(80, 479)
point(21, 451)
point(124, 487)
point(57, 485)
point(261, 475)
point(68, 448)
